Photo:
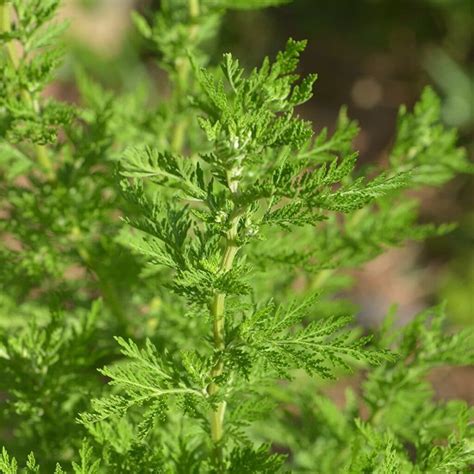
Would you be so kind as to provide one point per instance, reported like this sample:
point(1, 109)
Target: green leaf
point(89, 464)
point(425, 147)
point(7, 465)
point(281, 339)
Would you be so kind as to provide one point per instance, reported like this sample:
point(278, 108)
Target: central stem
point(218, 318)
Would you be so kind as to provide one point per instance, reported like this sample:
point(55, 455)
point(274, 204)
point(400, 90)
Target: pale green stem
point(5, 26)
point(320, 279)
point(194, 8)
point(217, 308)
point(183, 69)
point(6, 11)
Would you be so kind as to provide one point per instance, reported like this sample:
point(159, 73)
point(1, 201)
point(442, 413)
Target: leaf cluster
point(214, 227)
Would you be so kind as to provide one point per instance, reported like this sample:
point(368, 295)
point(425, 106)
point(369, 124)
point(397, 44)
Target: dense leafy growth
point(178, 230)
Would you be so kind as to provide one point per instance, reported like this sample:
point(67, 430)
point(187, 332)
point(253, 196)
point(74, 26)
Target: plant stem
point(12, 53)
point(5, 27)
point(194, 8)
point(218, 320)
point(183, 68)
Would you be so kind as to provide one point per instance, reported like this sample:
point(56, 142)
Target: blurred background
point(372, 55)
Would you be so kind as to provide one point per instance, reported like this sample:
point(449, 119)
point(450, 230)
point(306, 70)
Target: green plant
point(227, 200)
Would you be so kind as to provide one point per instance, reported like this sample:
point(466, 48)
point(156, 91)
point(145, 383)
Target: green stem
point(12, 53)
point(5, 27)
point(194, 8)
point(183, 69)
point(217, 308)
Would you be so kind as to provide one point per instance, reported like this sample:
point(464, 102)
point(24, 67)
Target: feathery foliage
point(192, 219)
